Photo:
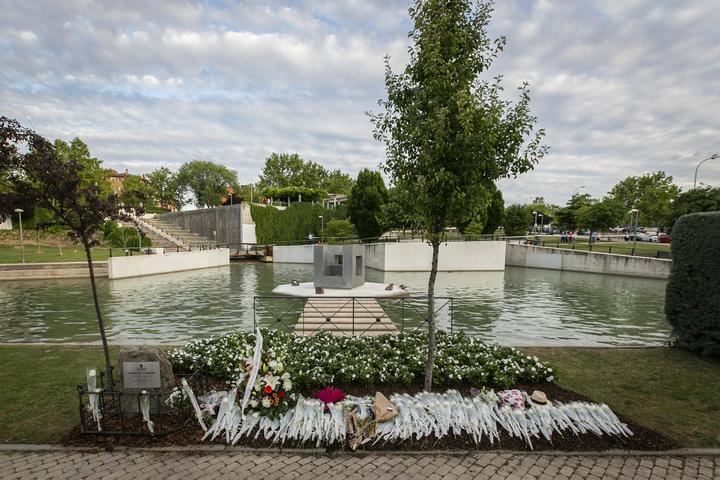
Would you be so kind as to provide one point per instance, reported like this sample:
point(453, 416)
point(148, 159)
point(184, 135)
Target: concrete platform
point(367, 290)
point(344, 317)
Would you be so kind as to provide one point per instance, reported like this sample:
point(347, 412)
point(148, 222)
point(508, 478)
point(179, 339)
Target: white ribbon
point(254, 369)
point(93, 397)
point(145, 409)
point(188, 391)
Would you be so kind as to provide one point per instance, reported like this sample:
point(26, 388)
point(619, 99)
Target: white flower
point(550, 378)
point(267, 402)
point(273, 364)
point(253, 403)
point(287, 385)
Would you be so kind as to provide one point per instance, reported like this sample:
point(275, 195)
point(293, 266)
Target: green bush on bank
point(292, 224)
point(692, 301)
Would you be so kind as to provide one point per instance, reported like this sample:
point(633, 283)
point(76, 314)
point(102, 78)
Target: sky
point(622, 87)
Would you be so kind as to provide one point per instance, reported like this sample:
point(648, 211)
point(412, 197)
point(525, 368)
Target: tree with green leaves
point(68, 182)
point(652, 194)
point(164, 187)
point(517, 219)
point(337, 182)
point(700, 199)
point(365, 205)
point(283, 170)
point(136, 191)
point(206, 181)
point(495, 213)
point(601, 215)
point(340, 229)
point(566, 216)
point(447, 132)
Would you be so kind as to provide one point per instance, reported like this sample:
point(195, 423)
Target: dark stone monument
point(143, 368)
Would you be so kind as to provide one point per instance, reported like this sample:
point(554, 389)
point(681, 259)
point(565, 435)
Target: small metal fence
point(120, 412)
point(349, 316)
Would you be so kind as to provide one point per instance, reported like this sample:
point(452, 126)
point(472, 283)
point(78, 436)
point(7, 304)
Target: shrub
point(692, 301)
point(296, 222)
point(393, 360)
point(339, 229)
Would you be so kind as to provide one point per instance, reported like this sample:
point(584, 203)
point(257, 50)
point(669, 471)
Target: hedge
point(294, 223)
point(692, 300)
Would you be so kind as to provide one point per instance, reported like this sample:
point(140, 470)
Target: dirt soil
point(643, 438)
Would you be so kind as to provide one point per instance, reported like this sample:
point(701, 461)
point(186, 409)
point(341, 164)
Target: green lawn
point(674, 392)
point(671, 391)
point(621, 248)
point(11, 254)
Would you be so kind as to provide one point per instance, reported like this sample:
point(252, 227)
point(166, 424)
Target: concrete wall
point(6, 225)
point(139, 265)
point(293, 253)
point(414, 256)
point(226, 224)
point(593, 262)
point(53, 270)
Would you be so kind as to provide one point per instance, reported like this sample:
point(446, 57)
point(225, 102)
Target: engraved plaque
point(141, 374)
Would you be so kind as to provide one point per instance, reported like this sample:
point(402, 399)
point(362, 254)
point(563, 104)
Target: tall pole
point(535, 222)
point(711, 157)
point(20, 211)
point(637, 214)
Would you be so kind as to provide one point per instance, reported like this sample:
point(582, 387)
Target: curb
point(218, 449)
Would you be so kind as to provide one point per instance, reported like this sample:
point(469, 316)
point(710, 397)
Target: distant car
point(641, 237)
point(664, 238)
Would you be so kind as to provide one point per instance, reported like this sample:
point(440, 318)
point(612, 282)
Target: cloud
point(621, 87)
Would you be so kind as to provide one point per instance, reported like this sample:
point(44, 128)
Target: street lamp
point(138, 232)
point(636, 212)
point(322, 226)
point(535, 223)
point(20, 211)
point(541, 222)
point(711, 157)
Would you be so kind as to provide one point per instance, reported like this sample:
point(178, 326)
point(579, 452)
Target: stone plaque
point(141, 375)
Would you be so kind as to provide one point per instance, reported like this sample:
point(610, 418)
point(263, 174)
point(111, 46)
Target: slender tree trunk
point(101, 324)
point(431, 317)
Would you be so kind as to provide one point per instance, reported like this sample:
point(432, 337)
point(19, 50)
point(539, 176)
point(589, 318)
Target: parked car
point(664, 238)
point(642, 237)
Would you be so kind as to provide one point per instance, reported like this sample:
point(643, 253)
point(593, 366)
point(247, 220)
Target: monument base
point(366, 290)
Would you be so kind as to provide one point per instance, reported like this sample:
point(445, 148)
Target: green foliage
point(399, 211)
point(517, 219)
point(565, 217)
point(692, 300)
point(495, 213)
point(90, 168)
point(652, 194)
point(164, 187)
point(206, 181)
point(295, 223)
point(124, 237)
point(701, 199)
point(339, 229)
point(136, 191)
point(295, 194)
point(475, 228)
point(366, 200)
point(600, 215)
point(391, 360)
point(290, 170)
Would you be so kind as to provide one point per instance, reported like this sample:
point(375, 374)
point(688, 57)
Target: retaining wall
point(413, 256)
point(580, 261)
point(140, 265)
point(229, 224)
point(51, 270)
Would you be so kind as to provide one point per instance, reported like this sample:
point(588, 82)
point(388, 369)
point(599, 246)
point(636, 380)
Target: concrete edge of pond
point(204, 449)
point(175, 345)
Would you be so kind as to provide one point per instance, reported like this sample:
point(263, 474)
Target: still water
point(516, 307)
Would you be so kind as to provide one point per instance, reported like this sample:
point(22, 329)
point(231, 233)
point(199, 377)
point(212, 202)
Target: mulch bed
point(643, 438)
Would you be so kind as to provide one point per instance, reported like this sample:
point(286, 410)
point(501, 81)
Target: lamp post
point(138, 232)
point(636, 212)
point(535, 222)
point(20, 211)
point(322, 226)
point(542, 221)
point(711, 157)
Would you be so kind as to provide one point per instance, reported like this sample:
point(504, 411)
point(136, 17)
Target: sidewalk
point(186, 465)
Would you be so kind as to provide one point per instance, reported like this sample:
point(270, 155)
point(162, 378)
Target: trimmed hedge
point(692, 300)
point(294, 223)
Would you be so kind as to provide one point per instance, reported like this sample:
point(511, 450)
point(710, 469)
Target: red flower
point(281, 394)
point(268, 389)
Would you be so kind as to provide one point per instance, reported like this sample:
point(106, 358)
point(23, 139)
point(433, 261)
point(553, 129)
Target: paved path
point(139, 464)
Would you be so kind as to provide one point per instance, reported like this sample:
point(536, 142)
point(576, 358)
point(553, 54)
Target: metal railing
point(595, 246)
point(349, 316)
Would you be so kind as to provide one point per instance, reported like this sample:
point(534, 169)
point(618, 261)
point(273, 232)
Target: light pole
point(138, 231)
point(711, 157)
point(20, 211)
point(535, 222)
point(322, 226)
point(636, 212)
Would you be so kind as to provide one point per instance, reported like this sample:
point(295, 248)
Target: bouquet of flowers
point(272, 394)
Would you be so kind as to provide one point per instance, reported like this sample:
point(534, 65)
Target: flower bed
point(389, 360)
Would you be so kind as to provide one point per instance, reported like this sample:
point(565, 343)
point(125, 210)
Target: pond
point(517, 307)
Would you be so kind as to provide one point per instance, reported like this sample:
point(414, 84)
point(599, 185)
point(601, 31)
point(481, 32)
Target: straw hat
point(539, 397)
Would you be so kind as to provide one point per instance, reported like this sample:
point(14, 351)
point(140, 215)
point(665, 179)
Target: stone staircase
point(169, 236)
point(54, 270)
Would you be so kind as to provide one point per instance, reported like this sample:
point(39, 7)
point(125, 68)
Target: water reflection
point(518, 306)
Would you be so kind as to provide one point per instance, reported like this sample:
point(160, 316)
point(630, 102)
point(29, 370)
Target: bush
point(295, 223)
point(692, 300)
point(339, 229)
point(391, 360)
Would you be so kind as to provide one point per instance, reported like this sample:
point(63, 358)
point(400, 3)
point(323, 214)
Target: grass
point(33, 254)
point(621, 248)
point(671, 391)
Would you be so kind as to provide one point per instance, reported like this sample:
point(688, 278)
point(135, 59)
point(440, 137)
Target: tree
point(164, 187)
point(365, 206)
point(206, 181)
point(284, 170)
point(339, 229)
point(600, 215)
point(652, 194)
point(136, 191)
point(495, 213)
point(66, 181)
point(565, 216)
point(701, 199)
point(517, 220)
point(338, 182)
point(447, 133)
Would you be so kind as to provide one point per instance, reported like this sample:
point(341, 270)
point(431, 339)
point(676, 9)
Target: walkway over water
point(344, 317)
